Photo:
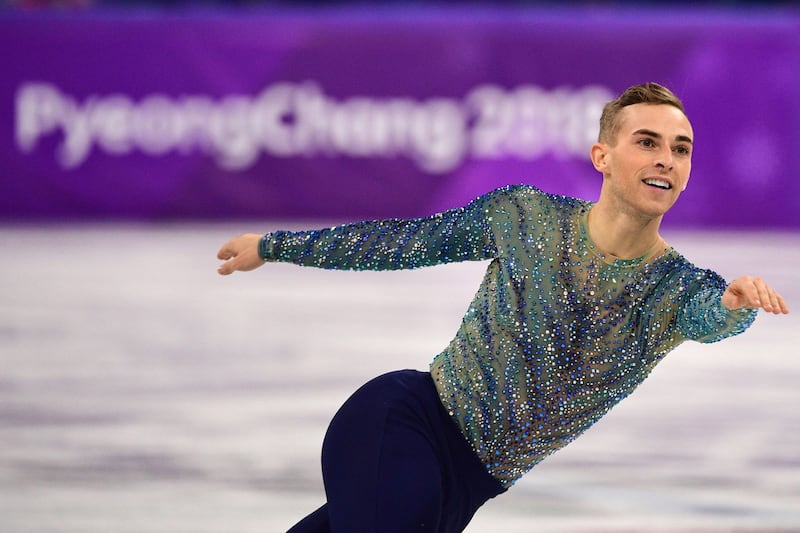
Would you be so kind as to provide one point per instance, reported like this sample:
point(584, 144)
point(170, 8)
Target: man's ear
point(599, 156)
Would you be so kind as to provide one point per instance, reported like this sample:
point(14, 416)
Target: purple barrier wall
point(341, 114)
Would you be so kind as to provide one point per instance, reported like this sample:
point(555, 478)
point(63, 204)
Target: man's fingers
point(225, 252)
point(778, 303)
point(753, 292)
point(783, 305)
point(774, 306)
point(226, 268)
point(768, 298)
point(228, 254)
point(240, 253)
point(763, 296)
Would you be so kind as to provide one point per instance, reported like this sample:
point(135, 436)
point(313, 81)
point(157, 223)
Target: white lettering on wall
point(300, 120)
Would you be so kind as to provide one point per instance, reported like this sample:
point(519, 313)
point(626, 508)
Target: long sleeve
point(703, 318)
point(462, 234)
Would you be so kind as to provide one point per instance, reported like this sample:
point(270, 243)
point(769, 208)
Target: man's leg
point(380, 470)
point(316, 522)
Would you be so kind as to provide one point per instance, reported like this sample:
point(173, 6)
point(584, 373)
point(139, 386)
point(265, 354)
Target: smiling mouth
point(660, 184)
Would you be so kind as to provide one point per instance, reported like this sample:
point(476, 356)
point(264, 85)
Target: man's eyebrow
point(655, 135)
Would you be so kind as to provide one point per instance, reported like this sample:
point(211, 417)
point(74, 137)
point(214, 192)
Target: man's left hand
point(749, 291)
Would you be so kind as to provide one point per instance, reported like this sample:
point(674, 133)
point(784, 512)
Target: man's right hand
point(240, 253)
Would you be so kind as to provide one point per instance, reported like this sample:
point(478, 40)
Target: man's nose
point(665, 159)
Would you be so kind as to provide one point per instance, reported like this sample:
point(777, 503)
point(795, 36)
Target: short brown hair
point(647, 93)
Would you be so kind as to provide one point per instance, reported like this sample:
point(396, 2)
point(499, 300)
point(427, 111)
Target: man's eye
point(682, 150)
point(647, 143)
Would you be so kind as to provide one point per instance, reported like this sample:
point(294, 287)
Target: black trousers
point(393, 460)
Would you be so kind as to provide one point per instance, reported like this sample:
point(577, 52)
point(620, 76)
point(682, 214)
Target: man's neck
point(622, 236)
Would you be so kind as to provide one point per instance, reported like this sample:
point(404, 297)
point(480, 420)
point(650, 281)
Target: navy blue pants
point(393, 460)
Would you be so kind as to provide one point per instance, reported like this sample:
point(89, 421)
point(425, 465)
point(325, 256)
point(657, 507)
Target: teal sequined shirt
point(557, 333)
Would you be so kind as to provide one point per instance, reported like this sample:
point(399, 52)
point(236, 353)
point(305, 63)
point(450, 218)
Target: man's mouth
point(655, 182)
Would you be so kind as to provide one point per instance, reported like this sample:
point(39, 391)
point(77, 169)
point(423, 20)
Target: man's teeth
point(661, 184)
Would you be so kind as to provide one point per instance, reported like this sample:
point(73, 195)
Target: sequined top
point(557, 333)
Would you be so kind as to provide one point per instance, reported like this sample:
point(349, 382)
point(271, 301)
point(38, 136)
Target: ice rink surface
point(141, 392)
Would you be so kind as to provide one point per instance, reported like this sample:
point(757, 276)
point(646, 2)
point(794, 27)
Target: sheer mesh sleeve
point(703, 318)
point(462, 234)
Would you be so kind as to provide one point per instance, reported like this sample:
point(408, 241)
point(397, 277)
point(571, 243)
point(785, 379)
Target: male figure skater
point(579, 302)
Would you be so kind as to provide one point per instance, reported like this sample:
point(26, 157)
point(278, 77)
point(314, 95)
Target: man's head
point(644, 151)
point(648, 93)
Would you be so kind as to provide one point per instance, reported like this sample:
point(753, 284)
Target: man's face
point(648, 167)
